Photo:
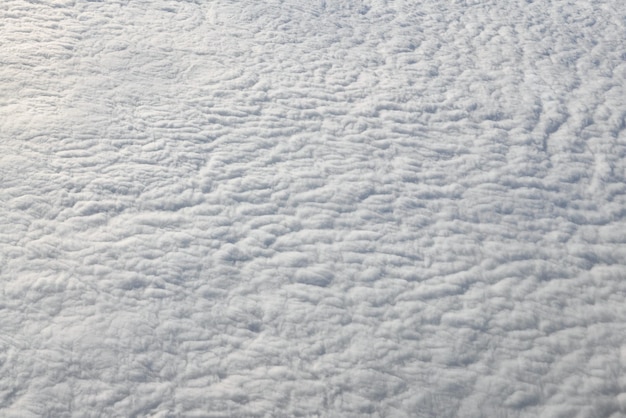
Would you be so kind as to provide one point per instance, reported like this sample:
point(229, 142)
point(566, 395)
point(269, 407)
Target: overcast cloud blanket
point(331, 208)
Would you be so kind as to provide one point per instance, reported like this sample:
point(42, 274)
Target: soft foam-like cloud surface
point(342, 208)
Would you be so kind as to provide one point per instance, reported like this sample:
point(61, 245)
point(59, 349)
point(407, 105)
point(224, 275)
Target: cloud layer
point(348, 208)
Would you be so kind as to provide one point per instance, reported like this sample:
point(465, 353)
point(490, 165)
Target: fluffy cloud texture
point(343, 208)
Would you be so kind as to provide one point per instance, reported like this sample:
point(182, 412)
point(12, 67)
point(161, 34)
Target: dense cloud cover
point(344, 208)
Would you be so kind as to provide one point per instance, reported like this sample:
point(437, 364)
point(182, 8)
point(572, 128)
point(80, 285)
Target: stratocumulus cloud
point(347, 208)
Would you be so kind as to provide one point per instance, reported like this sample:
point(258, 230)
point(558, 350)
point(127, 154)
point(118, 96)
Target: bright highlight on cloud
point(344, 208)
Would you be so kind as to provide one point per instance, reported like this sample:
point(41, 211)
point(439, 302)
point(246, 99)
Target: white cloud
point(358, 208)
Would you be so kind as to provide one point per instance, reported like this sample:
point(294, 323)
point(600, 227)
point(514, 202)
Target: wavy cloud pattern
point(380, 208)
